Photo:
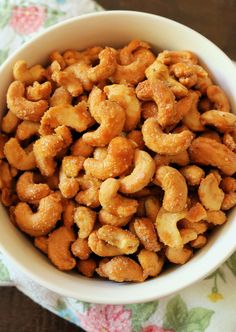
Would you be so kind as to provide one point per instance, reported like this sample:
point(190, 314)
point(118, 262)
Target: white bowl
point(115, 29)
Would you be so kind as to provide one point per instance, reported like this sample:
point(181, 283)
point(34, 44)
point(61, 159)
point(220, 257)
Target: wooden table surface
point(215, 19)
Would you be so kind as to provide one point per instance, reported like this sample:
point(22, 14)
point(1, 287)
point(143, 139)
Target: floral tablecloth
point(209, 305)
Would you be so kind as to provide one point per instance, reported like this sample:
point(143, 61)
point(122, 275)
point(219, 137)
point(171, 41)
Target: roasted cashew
point(180, 159)
point(152, 206)
point(212, 135)
point(126, 55)
point(68, 213)
point(150, 262)
point(166, 225)
point(17, 156)
point(102, 248)
point(196, 213)
point(24, 109)
point(85, 219)
point(199, 227)
point(223, 121)
point(80, 148)
point(41, 242)
point(126, 98)
point(229, 141)
point(144, 169)
point(88, 194)
point(31, 192)
point(5, 175)
point(202, 84)
point(80, 71)
point(59, 242)
point(60, 97)
point(175, 187)
point(216, 217)
point(47, 147)
point(172, 57)
point(42, 221)
point(146, 233)
point(81, 249)
point(39, 91)
point(121, 269)
point(187, 74)
point(3, 140)
point(106, 67)
point(87, 267)
point(228, 184)
point(217, 96)
point(178, 255)
point(119, 158)
point(106, 218)
point(124, 240)
point(68, 186)
point(89, 55)
point(136, 138)
point(199, 242)
point(26, 129)
point(229, 201)
point(76, 117)
point(28, 75)
point(210, 195)
point(113, 202)
point(206, 151)
point(193, 118)
point(56, 56)
point(193, 174)
point(169, 144)
point(9, 122)
point(188, 235)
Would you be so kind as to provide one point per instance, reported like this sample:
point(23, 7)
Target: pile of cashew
point(117, 162)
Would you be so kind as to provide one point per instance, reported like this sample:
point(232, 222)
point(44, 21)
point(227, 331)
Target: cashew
point(68, 213)
point(3, 140)
point(180, 159)
point(206, 151)
point(212, 135)
point(204, 105)
point(106, 218)
point(151, 263)
point(126, 53)
point(87, 267)
point(47, 147)
point(196, 213)
point(217, 96)
point(106, 67)
point(76, 117)
point(31, 192)
point(81, 249)
point(166, 225)
point(117, 237)
point(229, 201)
point(72, 165)
point(119, 158)
point(136, 138)
point(5, 175)
point(216, 217)
point(88, 55)
point(102, 248)
point(142, 174)
point(202, 84)
point(175, 187)
point(199, 227)
point(210, 195)
point(229, 141)
point(169, 144)
point(88, 194)
point(178, 255)
point(223, 121)
point(172, 57)
point(56, 56)
point(26, 129)
point(68, 186)
point(85, 219)
point(28, 75)
point(80, 148)
point(24, 109)
point(42, 221)
point(187, 74)
point(145, 231)
point(9, 122)
point(41, 242)
point(126, 98)
point(80, 71)
point(193, 174)
point(228, 184)
point(199, 242)
point(60, 97)
point(193, 118)
point(39, 91)
point(152, 207)
point(17, 156)
point(188, 235)
point(122, 269)
point(59, 242)
point(113, 202)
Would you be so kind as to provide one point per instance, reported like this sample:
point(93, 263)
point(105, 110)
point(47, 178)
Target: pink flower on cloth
point(154, 328)
point(26, 20)
point(106, 318)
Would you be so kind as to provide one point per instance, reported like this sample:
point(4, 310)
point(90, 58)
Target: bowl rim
point(140, 296)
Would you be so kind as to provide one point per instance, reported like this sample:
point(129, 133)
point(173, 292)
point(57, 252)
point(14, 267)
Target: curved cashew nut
point(106, 67)
point(206, 151)
point(180, 159)
point(202, 84)
point(193, 174)
point(68, 186)
point(199, 242)
point(115, 203)
point(172, 57)
point(85, 219)
point(39, 91)
point(24, 109)
point(218, 98)
point(17, 156)
point(229, 141)
point(102, 248)
point(88, 194)
point(9, 122)
point(144, 169)
point(223, 121)
point(216, 217)
point(152, 206)
point(89, 55)
point(119, 157)
point(169, 144)
point(56, 56)
point(26, 129)
point(229, 201)
point(151, 263)
point(60, 97)
point(44, 220)
point(210, 195)
point(28, 75)
point(188, 74)
point(121, 269)
point(81, 249)
point(59, 243)
point(3, 140)
point(212, 135)
point(166, 225)
point(80, 148)
point(31, 192)
point(76, 117)
point(80, 71)
point(47, 147)
point(41, 242)
point(193, 118)
point(175, 187)
point(87, 267)
point(136, 138)
point(126, 55)
point(228, 184)
point(146, 232)
point(124, 240)
point(126, 98)
point(178, 255)
point(68, 213)
point(106, 218)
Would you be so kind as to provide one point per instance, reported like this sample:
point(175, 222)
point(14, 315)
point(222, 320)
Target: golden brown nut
point(222, 121)
point(196, 213)
point(229, 201)
point(178, 256)
point(172, 57)
point(152, 207)
point(80, 148)
point(180, 159)
point(106, 67)
point(3, 140)
point(41, 242)
point(228, 184)
point(199, 242)
point(87, 267)
point(216, 217)
point(89, 189)
point(151, 263)
point(59, 242)
point(193, 174)
point(210, 195)
point(217, 96)
point(60, 97)
point(229, 141)
point(26, 129)
point(81, 249)
point(68, 213)
point(102, 248)
point(106, 218)
point(145, 231)
point(39, 91)
point(28, 75)
point(212, 135)
point(193, 118)
point(85, 219)
point(9, 122)
point(136, 138)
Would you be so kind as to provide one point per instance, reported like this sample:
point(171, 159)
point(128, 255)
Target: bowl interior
point(116, 29)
